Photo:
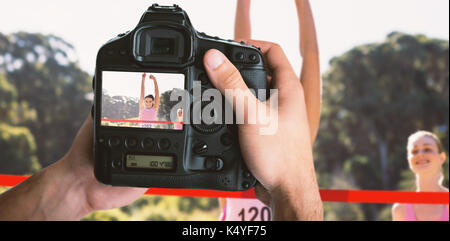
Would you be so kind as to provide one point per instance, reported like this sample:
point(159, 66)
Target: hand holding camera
point(281, 169)
point(282, 162)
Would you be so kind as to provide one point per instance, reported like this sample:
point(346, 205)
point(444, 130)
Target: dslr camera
point(145, 138)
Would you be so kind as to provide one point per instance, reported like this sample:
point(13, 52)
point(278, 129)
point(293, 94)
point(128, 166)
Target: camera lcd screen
point(150, 162)
point(162, 46)
point(141, 100)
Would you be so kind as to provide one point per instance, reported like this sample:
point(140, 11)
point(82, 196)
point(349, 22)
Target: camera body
point(194, 156)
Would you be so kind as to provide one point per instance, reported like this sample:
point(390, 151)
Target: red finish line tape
point(352, 196)
point(141, 121)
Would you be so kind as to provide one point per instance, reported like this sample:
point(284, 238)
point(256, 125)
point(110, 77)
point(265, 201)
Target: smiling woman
point(425, 157)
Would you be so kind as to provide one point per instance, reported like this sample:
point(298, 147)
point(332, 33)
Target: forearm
point(51, 194)
point(142, 95)
point(242, 24)
point(156, 94)
point(156, 89)
point(310, 75)
point(308, 37)
point(312, 86)
point(142, 89)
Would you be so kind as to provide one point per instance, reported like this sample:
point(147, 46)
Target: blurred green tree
point(17, 144)
point(49, 83)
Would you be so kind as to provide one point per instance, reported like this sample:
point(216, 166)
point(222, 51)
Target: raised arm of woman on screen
point(142, 98)
point(156, 93)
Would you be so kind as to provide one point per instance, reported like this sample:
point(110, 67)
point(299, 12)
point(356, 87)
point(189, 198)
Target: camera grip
point(256, 80)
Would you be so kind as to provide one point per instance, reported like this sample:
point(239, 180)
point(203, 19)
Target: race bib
point(241, 209)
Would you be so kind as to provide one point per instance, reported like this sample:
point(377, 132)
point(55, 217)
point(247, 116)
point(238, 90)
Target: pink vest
point(147, 114)
point(410, 215)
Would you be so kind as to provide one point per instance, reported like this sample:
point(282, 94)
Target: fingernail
point(214, 59)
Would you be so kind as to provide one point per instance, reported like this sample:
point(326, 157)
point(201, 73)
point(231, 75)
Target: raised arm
point(142, 98)
point(156, 92)
point(310, 75)
point(242, 25)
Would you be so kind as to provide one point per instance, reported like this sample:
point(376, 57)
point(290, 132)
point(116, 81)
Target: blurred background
point(385, 69)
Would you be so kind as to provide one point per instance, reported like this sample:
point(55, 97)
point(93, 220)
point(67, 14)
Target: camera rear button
point(226, 139)
point(117, 164)
point(213, 163)
point(200, 148)
point(247, 174)
point(131, 143)
point(114, 142)
point(163, 144)
point(101, 141)
point(253, 58)
point(240, 56)
point(148, 143)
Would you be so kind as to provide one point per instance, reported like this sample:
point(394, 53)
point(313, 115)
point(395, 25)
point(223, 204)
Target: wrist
point(297, 196)
point(296, 205)
point(63, 196)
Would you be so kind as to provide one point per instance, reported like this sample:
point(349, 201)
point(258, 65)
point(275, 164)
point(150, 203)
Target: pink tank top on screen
point(241, 209)
point(147, 114)
point(411, 215)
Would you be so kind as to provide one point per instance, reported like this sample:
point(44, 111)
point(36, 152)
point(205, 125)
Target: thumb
point(227, 79)
point(222, 72)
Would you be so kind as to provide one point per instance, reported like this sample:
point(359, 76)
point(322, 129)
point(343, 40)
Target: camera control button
point(164, 144)
point(114, 142)
point(117, 164)
point(201, 148)
point(213, 163)
point(246, 185)
point(240, 56)
point(147, 143)
point(101, 141)
point(226, 139)
point(131, 143)
point(253, 58)
point(247, 174)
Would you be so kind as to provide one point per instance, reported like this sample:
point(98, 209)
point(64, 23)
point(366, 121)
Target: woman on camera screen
point(148, 105)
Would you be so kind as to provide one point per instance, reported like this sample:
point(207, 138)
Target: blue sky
point(341, 24)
